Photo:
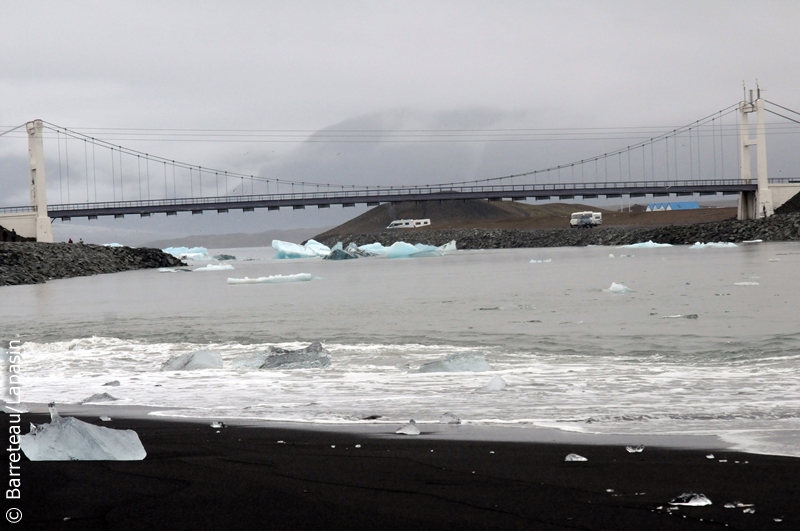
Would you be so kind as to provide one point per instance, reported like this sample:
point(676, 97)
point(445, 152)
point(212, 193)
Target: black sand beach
point(196, 478)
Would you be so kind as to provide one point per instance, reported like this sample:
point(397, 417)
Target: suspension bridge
point(657, 166)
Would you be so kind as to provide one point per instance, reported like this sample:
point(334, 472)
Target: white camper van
point(408, 223)
point(586, 219)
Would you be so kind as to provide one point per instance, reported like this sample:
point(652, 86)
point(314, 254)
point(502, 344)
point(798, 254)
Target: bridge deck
point(375, 196)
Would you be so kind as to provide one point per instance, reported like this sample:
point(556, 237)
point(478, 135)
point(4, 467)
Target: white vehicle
point(586, 219)
point(408, 223)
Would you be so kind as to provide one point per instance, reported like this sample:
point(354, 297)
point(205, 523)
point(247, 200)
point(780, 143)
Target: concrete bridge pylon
point(754, 205)
point(34, 222)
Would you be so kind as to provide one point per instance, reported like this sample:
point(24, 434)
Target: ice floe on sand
point(691, 499)
point(409, 429)
point(272, 279)
point(575, 458)
point(70, 439)
point(449, 418)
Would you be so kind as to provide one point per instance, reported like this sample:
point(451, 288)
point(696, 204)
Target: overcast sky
point(301, 67)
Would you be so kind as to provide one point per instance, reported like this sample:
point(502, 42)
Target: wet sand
point(242, 477)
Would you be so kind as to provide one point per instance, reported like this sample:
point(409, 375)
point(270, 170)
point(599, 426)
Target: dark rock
point(780, 227)
point(35, 262)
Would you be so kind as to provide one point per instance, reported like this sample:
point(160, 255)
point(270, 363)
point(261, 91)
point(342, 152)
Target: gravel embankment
point(34, 263)
point(780, 227)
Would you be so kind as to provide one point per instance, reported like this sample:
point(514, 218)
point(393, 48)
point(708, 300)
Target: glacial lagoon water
point(706, 341)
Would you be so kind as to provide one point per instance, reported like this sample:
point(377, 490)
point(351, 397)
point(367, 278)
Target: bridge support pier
point(36, 223)
point(758, 205)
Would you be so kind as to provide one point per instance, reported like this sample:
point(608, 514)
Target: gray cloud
point(314, 68)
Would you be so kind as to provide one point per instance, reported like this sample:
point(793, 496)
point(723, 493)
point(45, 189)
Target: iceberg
point(112, 245)
point(273, 279)
point(313, 356)
point(409, 429)
point(288, 250)
point(646, 245)
point(340, 254)
point(619, 288)
point(692, 499)
point(495, 384)
point(458, 362)
point(376, 249)
point(699, 245)
point(99, 397)
point(405, 250)
point(215, 267)
point(172, 270)
point(635, 449)
point(448, 247)
point(186, 253)
point(201, 359)
point(449, 418)
point(70, 439)
point(401, 250)
point(353, 249)
point(319, 248)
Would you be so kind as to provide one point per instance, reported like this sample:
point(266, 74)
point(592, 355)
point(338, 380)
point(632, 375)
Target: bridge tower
point(759, 204)
point(33, 222)
point(44, 232)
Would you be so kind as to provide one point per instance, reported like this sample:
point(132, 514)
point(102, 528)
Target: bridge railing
point(379, 191)
point(17, 209)
point(366, 193)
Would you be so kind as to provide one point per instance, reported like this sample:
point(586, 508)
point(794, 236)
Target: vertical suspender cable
point(66, 162)
point(121, 180)
point(86, 167)
point(699, 158)
point(714, 144)
point(94, 171)
point(60, 180)
point(139, 170)
point(147, 171)
point(113, 177)
point(721, 149)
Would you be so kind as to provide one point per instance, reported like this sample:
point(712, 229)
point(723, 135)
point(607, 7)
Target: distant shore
point(780, 227)
point(34, 263)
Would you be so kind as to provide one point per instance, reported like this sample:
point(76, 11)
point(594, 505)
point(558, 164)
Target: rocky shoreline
point(34, 263)
point(780, 227)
